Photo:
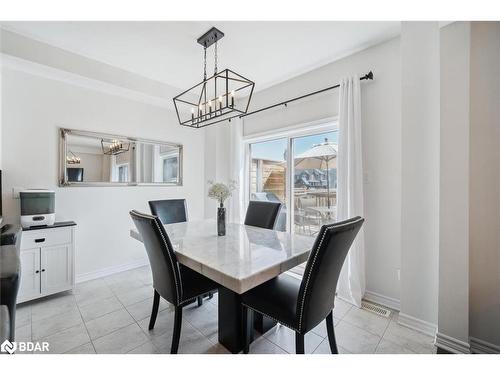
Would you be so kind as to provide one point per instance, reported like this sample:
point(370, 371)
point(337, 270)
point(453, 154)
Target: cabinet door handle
point(38, 240)
point(37, 271)
point(43, 269)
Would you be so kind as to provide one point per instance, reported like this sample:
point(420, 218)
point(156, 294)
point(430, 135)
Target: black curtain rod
point(369, 76)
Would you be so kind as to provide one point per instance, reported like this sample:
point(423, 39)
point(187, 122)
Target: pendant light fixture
point(221, 97)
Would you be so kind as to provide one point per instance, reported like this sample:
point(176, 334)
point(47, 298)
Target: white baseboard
point(110, 271)
point(392, 303)
point(422, 326)
point(479, 346)
point(452, 344)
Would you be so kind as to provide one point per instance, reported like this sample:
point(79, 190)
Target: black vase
point(221, 221)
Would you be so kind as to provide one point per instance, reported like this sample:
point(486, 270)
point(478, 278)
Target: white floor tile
point(324, 348)
point(409, 338)
point(203, 318)
point(68, 339)
point(388, 347)
point(366, 320)
point(120, 341)
point(23, 333)
point(23, 315)
point(261, 345)
point(131, 296)
point(101, 303)
point(320, 329)
point(146, 348)
point(89, 297)
point(354, 339)
point(164, 323)
point(108, 323)
point(285, 339)
point(52, 305)
point(341, 308)
point(100, 308)
point(84, 349)
point(55, 323)
point(142, 309)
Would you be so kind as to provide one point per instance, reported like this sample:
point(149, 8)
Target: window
point(299, 170)
point(170, 169)
point(122, 173)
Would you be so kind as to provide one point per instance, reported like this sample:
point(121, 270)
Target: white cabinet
point(30, 274)
point(47, 262)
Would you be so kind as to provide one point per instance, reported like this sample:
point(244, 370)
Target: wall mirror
point(96, 159)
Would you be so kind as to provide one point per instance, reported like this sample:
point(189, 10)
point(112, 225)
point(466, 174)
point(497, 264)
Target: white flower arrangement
point(220, 191)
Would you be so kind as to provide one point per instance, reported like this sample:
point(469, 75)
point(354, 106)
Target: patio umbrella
point(319, 156)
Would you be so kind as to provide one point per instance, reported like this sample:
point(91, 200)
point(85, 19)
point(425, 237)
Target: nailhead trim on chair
point(150, 217)
point(312, 266)
point(269, 316)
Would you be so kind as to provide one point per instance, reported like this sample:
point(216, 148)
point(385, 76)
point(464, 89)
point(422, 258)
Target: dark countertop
point(57, 224)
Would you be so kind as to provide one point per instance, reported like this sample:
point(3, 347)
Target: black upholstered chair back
point(262, 214)
point(169, 210)
point(317, 291)
point(162, 258)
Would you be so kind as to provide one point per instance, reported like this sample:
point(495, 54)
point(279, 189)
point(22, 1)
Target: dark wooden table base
point(230, 321)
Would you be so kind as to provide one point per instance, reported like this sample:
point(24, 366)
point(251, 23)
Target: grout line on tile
point(85, 325)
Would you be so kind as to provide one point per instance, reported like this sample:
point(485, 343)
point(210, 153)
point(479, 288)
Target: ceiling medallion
point(221, 97)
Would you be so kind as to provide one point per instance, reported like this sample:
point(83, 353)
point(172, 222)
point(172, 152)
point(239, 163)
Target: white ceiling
point(265, 52)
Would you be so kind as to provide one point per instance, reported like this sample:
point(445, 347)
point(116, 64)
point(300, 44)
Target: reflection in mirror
point(90, 159)
point(157, 163)
point(95, 159)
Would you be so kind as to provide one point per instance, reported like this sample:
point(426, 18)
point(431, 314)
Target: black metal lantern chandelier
point(221, 97)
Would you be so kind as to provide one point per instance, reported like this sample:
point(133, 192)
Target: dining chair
point(302, 304)
point(262, 214)
point(171, 211)
point(172, 281)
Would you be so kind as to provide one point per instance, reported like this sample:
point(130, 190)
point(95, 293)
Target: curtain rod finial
point(369, 75)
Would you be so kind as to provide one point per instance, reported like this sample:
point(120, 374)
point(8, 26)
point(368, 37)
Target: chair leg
point(200, 301)
point(154, 313)
point(331, 334)
point(210, 295)
point(177, 330)
point(299, 343)
point(247, 327)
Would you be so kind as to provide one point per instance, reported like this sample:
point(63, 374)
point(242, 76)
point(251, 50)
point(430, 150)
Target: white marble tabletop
point(242, 259)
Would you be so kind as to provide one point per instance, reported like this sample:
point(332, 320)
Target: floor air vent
point(376, 309)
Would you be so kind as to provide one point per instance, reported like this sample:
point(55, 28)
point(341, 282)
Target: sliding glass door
point(268, 175)
point(314, 182)
point(300, 171)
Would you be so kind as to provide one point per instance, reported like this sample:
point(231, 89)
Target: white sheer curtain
point(237, 170)
point(350, 187)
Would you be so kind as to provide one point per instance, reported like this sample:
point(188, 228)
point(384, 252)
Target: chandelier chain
point(215, 58)
point(204, 63)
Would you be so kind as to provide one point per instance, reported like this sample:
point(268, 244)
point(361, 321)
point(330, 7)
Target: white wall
point(381, 117)
point(420, 174)
point(454, 188)
point(33, 108)
point(485, 184)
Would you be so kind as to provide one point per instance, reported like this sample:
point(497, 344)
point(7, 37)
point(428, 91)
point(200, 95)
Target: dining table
point(244, 258)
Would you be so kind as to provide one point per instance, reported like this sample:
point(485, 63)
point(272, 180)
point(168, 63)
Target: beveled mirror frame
point(63, 149)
